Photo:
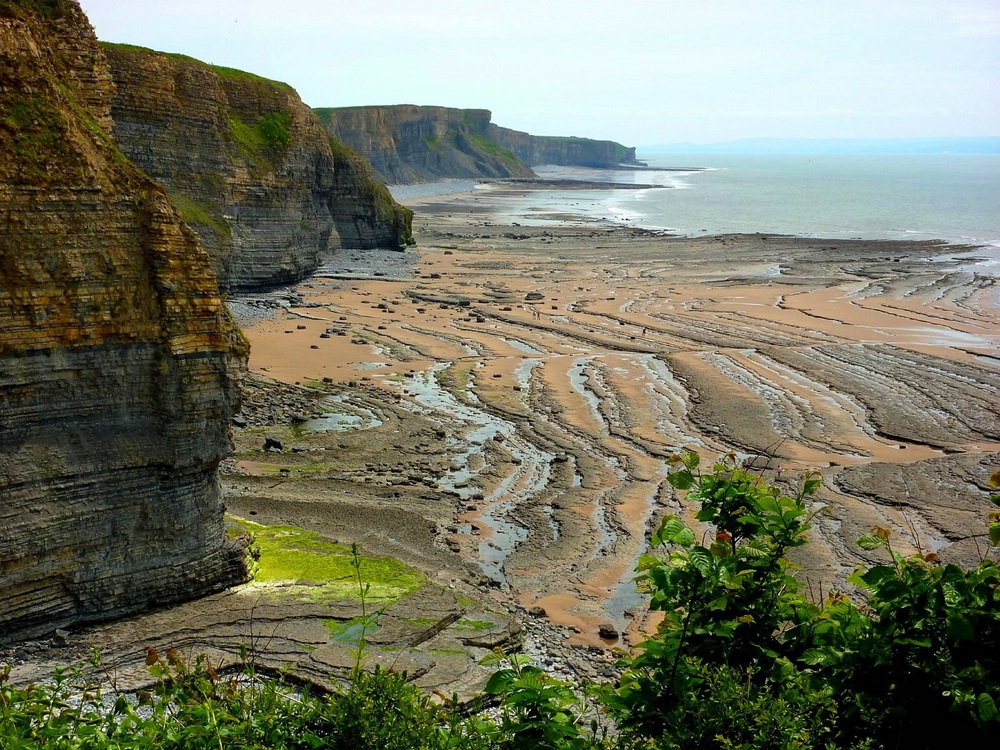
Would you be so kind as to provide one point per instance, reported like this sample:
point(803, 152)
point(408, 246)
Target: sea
point(949, 197)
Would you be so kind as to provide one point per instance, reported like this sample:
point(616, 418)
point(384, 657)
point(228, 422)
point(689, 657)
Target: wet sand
point(515, 390)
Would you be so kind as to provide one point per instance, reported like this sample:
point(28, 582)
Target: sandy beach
point(499, 400)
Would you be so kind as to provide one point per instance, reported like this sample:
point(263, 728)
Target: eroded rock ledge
point(119, 365)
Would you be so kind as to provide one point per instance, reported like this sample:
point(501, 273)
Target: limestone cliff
point(119, 365)
point(407, 144)
point(249, 166)
point(563, 151)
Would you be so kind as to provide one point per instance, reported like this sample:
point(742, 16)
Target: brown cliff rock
point(250, 167)
point(563, 151)
point(408, 144)
point(119, 365)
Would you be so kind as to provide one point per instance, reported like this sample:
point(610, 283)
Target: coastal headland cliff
point(119, 365)
point(407, 144)
point(249, 166)
point(567, 151)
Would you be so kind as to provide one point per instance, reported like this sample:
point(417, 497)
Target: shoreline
point(527, 201)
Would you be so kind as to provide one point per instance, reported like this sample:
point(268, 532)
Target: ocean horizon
point(949, 197)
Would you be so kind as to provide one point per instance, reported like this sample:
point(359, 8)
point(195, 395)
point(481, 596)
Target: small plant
point(728, 602)
point(537, 711)
point(743, 659)
point(368, 619)
point(920, 653)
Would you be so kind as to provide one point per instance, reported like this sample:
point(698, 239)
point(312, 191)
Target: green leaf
point(681, 480)
point(755, 549)
point(922, 642)
point(813, 656)
point(671, 527)
point(812, 484)
point(769, 505)
point(960, 627)
point(720, 548)
point(501, 682)
point(691, 460)
point(701, 560)
point(877, 576)
point(995, 534)
point(522, 660)
point(492, 659)
point(705, 514)
point(986, 708)
point(870, 542)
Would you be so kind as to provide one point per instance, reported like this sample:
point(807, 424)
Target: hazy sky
point(636, 71)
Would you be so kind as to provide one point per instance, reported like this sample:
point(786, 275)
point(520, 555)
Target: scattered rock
point(607, 631)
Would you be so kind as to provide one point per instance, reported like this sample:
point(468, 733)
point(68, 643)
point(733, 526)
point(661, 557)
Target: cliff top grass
point(329, 111)
point(228, 74)
point(496, 150)
point(44, 8)
point(578, 139)
point(292, 554)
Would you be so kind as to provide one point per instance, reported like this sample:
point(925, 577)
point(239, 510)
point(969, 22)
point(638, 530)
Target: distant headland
point(407, 144)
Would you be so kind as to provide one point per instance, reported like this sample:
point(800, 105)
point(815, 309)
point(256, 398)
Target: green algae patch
point(291, 555)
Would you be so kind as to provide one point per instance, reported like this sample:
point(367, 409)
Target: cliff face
point(407, 144)
point(568, 151)
point(249, 166)
point(119, 365)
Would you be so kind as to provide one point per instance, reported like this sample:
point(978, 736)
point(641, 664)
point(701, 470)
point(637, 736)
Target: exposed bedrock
point(407, 144)
point(249, 166)
point(119, 365)
point(567, 151)
point(940, 500)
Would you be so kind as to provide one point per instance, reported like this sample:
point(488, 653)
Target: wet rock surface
point(548, 421)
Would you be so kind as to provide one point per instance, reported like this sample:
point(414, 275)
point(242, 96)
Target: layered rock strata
point(119, 365)
point(250, 167)
point(567, 151)
point(408, 144)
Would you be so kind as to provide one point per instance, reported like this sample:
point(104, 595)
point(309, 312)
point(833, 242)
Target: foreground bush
point(741, 659)
point(193, 708)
